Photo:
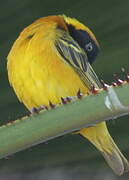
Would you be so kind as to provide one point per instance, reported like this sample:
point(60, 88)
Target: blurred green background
point(69, 157)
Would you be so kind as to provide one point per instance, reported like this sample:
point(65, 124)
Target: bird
point(51, 59)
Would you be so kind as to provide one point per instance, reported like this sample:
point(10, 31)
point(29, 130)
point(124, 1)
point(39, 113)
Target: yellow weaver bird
point(51, 59)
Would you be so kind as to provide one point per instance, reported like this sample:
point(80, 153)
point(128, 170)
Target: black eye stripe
point(80, 36)
point(83, 38)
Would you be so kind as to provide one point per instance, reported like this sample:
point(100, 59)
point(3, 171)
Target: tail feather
point(116, 159)
point(100, 137)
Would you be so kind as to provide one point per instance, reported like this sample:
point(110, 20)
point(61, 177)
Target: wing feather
point(75, 56)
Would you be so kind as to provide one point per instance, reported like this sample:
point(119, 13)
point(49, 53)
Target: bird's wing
point(75, 56)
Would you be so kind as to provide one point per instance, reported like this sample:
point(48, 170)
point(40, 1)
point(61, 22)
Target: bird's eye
point(89, 47)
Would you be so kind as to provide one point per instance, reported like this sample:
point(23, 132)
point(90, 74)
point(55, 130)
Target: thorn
point(64, 101)
point(52, 105)
point(119, 82)
point(79, 94)
point(28, 114)
point(105, 86)
point(10, 122)
point(42, 107)
point(94, 90)
point(34, 110)
point(69, 99)
point(114, 84)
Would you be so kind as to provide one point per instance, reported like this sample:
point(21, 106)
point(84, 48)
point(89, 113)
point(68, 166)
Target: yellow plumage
point(41, 68)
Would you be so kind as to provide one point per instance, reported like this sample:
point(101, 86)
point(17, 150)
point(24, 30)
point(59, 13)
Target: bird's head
point(84, 36)
point(78, 31)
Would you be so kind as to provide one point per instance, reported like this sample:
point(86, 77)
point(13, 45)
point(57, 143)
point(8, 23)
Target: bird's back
point(39, 75)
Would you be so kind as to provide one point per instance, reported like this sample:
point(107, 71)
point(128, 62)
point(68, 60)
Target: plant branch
point(40, 127)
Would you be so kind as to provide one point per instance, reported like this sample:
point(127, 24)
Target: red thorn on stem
point(42, 107)
point(28, 115)
point(34, 110)
point(119, 82)
point(94, 90)
point(69, 99)
point(79, 94)
point(114, 84)
point(105, 86)
point(64, 101)
point(52, 105)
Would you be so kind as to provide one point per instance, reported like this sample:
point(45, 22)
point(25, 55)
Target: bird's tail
point(100, 137)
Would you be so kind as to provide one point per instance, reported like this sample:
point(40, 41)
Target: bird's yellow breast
point(37, 73)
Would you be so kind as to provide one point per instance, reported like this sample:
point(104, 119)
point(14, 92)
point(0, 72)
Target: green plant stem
point(88, 111)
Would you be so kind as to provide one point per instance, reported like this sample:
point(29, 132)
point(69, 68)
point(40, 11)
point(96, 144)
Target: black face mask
point(85, 42)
